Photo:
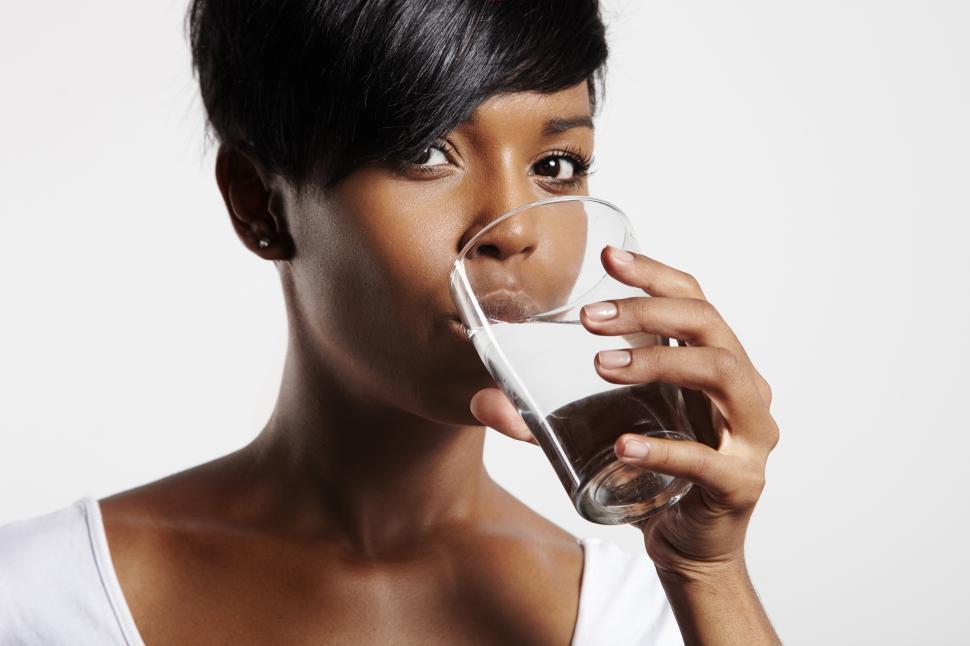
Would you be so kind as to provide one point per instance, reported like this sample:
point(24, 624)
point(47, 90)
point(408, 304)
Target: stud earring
point(263, 243)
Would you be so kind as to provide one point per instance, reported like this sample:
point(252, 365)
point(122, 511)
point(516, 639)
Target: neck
point(377, 478)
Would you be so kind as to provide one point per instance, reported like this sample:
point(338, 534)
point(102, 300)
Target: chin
point(446, 401)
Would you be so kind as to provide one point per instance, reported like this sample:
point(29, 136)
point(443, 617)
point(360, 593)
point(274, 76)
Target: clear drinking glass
point(519, 285)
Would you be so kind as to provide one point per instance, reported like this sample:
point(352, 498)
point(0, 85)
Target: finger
point(492, 408)
point(658, 279)
point(733, 480)
point(651, 275)
point(764, 388)
point(692, 320)
point(717, 372)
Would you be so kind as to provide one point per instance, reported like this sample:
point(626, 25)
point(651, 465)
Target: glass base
point(619, 493)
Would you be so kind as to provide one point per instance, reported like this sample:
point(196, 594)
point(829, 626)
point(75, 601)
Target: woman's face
point(367, 285)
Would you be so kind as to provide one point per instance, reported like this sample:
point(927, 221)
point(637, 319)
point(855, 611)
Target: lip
point(508, 305)
point(458, 328)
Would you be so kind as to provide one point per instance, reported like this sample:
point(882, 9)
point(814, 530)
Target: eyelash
point(581, 163)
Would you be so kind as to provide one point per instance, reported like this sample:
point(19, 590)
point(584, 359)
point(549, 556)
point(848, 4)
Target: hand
point(704, 533)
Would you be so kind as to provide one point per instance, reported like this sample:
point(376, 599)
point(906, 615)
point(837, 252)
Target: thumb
point(492, 408)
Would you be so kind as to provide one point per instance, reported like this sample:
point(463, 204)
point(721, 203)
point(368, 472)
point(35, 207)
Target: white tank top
point(58, 587)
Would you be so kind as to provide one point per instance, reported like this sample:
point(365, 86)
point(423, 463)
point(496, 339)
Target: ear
point(254, 205)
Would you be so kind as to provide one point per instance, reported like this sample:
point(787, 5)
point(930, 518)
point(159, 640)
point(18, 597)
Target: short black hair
point(315, 88)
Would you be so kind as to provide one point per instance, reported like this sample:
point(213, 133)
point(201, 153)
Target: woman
point(360, 144)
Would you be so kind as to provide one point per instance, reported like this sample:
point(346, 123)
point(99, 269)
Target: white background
point(807, 161)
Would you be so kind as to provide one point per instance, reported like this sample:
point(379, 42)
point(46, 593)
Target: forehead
point(532, 113)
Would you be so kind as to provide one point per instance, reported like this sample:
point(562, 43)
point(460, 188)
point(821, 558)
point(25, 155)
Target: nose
point(512, 237)
point(516, 235)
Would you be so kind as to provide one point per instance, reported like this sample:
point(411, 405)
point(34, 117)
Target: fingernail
point(600, 311)
point(634, 449)
point(614, 358)
point(620, 254)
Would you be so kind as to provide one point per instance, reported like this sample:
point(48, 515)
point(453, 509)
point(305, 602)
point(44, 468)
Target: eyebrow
point(556, 125)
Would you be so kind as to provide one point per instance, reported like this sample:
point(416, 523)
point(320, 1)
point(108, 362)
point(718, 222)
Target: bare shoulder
point(547, 534)
point(525, 562)
point(163, 535)
point(137, 524)
point(140, 522)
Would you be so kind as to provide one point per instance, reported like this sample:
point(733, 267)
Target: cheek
point(407, 266)
point(408, 238)
point(382, 327)
point(373, 287)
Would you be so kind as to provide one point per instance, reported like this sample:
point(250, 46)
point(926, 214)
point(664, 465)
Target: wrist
point(704, 574)
point(715, 603)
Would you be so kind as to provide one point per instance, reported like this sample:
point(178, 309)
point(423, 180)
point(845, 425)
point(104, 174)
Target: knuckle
point(727, 366)
point(752, 485)
point(765, 388)
point(774, 435)
point(749, 498)
point(641, 309)
point(646, 277)
point(705, 314)
point(758, 482)
point(701, 467)
point(661, 453)
point(654, 358)
point(756, 488)
point(661, 359)
point(690, 281)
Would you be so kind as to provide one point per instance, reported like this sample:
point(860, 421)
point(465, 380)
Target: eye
point(429, 155)
point(565, 167)
point(561, 168)
point(431, 160)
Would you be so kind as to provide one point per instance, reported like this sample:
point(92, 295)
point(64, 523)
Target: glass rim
point(547, 200)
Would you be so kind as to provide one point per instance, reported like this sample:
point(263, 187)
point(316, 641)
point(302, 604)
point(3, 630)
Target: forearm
point(721, 609)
